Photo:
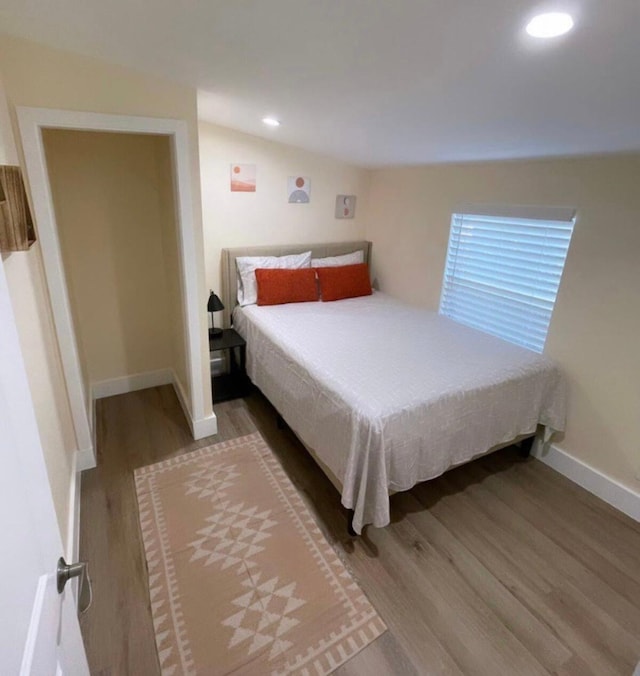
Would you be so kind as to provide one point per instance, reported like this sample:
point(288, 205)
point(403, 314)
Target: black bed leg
point(350, 530)
point(525, 447)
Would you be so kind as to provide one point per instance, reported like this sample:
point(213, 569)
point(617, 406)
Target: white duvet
point(388, 395)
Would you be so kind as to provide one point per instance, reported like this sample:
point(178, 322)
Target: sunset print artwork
point(243, 178)
point(299, 189)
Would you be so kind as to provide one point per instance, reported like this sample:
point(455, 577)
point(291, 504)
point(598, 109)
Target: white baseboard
point(182, 397)
point(616, 494)
point(86, 458)
point(202, 427)
point(138, 381)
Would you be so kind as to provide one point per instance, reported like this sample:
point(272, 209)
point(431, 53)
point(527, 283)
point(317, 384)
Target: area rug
point(241, 579)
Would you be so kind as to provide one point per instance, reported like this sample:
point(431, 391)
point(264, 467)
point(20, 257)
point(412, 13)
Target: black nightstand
point(235, 383)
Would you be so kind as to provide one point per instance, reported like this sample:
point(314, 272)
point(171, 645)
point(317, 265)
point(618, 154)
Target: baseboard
point(182, 397)
point(204, 427)
point(201, 427)
point(616, 494)
point(86, 458)
point(138, 381)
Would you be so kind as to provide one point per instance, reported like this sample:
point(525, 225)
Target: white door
point(39, 630)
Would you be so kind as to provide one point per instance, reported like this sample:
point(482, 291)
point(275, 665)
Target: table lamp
point(214, 305)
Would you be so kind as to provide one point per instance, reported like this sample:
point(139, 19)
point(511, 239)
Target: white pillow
point(247, 266)
point(337, 261)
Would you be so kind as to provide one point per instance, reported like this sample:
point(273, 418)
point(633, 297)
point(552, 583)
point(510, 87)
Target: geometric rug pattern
point(241, 580)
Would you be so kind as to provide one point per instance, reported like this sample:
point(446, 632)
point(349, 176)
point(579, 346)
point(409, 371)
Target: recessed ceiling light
point(549, 25)
point(271, 121)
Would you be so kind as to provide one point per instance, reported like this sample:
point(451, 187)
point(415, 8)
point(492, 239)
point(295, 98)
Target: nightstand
point(235, 383)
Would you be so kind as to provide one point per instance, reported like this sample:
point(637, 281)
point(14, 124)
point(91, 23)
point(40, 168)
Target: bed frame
point(229, 299)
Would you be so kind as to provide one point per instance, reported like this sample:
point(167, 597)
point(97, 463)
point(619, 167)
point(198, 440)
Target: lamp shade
point(214, 304)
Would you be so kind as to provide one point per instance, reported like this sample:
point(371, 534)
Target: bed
point(385, 395)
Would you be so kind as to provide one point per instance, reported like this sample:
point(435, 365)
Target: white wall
point(265, 217)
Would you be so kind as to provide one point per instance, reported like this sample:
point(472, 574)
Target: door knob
point(67, 571)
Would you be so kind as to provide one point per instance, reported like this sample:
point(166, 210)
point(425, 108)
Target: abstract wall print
point(243, 178)
point(299, 189)
point(345, 206)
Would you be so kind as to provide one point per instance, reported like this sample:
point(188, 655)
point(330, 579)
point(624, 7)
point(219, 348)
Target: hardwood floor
point(501, 566)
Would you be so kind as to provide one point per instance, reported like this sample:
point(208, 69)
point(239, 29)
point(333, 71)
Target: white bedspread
point(388, 395)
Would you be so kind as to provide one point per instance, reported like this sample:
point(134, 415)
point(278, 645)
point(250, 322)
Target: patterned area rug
point(241, 579)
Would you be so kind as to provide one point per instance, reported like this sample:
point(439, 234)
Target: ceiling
point(377, 82)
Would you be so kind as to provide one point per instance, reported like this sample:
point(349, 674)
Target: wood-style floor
point(501, 566)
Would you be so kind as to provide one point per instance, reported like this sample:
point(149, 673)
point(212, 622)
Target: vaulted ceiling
point(377, 82)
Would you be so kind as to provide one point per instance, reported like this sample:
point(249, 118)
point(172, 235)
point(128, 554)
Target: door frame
point(31, 122)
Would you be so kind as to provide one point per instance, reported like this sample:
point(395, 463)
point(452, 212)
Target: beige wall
point(35, 75)
point(108, 193)
point(265, 217)
point(595, 330)
point(25, 277)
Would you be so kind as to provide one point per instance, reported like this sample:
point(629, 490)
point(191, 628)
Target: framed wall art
point(243, 177)
point(345, 206)
point(299, 189)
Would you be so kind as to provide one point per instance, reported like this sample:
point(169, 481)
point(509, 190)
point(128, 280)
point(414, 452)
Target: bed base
point(526, 445)
point(350, 529)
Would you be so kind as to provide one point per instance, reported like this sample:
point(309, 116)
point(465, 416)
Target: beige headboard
point(229, 288)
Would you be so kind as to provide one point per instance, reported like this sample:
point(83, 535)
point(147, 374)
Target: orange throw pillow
point(278, 286)
point(346, 281)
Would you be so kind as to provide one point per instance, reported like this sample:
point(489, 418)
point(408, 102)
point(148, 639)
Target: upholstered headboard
point(229, 288)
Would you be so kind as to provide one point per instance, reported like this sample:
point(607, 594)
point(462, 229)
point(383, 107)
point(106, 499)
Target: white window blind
point(503, 270)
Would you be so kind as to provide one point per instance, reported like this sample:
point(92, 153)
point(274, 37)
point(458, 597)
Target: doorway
point(193, 392)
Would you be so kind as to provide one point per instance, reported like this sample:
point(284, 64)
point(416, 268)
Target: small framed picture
point(345, 206)
point(243, 178)
point(299, 189)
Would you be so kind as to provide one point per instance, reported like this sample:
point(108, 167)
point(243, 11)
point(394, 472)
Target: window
point(503, 270)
